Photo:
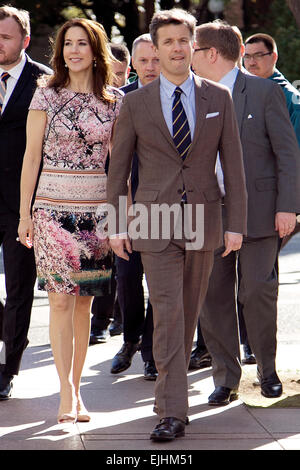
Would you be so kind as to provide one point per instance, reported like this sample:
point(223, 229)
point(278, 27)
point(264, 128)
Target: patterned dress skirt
point(72, 255)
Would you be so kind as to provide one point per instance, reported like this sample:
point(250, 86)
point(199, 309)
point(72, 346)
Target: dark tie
point(181, 129)
point(3, 83)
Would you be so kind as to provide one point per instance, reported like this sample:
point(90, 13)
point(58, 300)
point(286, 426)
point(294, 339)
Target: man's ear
point(26, 42)
point(243, 49)
point(212, 54)
point(275, 57)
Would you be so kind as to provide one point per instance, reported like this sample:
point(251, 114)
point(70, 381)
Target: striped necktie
point(181, 129)
point(3, 84)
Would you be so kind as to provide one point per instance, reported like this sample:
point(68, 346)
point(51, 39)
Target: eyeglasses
point(202, 49)
point(257, 56)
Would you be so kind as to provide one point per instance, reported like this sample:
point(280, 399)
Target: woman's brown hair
point(102, 65)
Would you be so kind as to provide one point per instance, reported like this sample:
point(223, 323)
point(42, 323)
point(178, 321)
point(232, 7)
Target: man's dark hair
point(268, 41)
point(20, 16)
point(120, 52)
point(222, 37)
point(175, 16)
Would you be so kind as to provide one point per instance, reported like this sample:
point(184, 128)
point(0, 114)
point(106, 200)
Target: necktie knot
point(4, 76)
point(178, 92)
point(3, 80)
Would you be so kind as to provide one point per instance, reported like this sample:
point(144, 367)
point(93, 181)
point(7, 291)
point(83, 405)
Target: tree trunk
point(149, 11)
point(234, 13)
point(294, 6)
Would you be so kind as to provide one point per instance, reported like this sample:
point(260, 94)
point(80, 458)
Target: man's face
point(201, 64)
point(11, 43)
point(145, 62)
point(257, 63)
point(174, 48)
point(121, 71)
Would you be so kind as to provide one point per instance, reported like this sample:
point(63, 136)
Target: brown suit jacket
point(141, 127)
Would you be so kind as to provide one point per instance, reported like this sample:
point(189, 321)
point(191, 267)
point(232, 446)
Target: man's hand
point(121, 246)
point(285, 223)
point(233, 242)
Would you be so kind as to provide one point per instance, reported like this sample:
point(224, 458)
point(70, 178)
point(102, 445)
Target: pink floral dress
point(69, 212)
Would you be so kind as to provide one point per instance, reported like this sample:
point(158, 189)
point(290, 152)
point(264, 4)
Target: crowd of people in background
point(192, 115)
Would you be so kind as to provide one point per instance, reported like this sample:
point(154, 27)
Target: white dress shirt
point(14, 75)
point(229, 81)
point(167, 94)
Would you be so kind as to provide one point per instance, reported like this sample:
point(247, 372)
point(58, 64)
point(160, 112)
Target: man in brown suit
point(182, 178)
point(271, 160)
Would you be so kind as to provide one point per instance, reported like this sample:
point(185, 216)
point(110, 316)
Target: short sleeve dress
point(69, 212)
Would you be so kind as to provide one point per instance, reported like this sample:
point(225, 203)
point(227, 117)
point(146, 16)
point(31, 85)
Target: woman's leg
point(61, 338)
point(81, 326)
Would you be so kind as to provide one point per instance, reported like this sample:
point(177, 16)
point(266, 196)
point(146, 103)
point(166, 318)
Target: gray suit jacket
point(270, 150)
point(141, 127)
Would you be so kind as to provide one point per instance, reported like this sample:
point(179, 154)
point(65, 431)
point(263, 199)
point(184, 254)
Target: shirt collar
point(230, 77)
point(16, 71)
point(169, 87)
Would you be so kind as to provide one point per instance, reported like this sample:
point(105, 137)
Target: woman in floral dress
point(69, 128)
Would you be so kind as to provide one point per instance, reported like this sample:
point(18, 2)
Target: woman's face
point(77, 51)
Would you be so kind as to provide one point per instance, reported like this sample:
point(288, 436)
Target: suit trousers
point(132, 304)
point(177, 280)
point(258, 292)
point(106, 307)
point(20, 276)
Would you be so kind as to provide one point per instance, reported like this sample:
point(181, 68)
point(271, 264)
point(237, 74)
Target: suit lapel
point(201, 107)
point(153, 104)
point(23, 80)
point(239, 98)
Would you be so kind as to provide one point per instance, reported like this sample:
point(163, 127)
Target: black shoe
point(150, 372)
point(249, 357)
point(115, 328)
point(222, 396)
point(168, 429)
point(200, 358)
point(6, 385)
point(271, 387)
point(123, 358)
point(98, 336)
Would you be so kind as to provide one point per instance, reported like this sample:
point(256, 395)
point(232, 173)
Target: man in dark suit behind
point(130, 273)
point(272, 169)
point(18, 75)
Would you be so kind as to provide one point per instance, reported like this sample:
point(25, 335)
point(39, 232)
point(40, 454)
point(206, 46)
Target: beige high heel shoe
point(67, 418)
point(83, 415)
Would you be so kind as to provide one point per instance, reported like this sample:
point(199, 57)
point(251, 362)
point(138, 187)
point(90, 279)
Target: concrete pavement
point(121, 405)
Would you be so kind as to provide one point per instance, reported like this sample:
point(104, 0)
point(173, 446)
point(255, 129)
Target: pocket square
point(210, 115)
point(250, 116)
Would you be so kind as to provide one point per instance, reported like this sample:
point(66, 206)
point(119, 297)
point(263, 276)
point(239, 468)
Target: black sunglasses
point(201, 49)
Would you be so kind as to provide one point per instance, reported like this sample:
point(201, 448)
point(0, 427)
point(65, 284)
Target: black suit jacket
point(13, 138)
point(134, 170)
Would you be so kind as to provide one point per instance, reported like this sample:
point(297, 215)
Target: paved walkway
point(121, 406)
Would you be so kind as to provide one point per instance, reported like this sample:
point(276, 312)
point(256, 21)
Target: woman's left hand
point(25, 232)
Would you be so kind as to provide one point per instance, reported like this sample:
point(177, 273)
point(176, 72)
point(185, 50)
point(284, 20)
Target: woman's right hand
point(25, 232)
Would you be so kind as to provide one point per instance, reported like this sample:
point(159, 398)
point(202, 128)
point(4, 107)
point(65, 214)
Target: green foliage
point(269, 16)
point(287, 36)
